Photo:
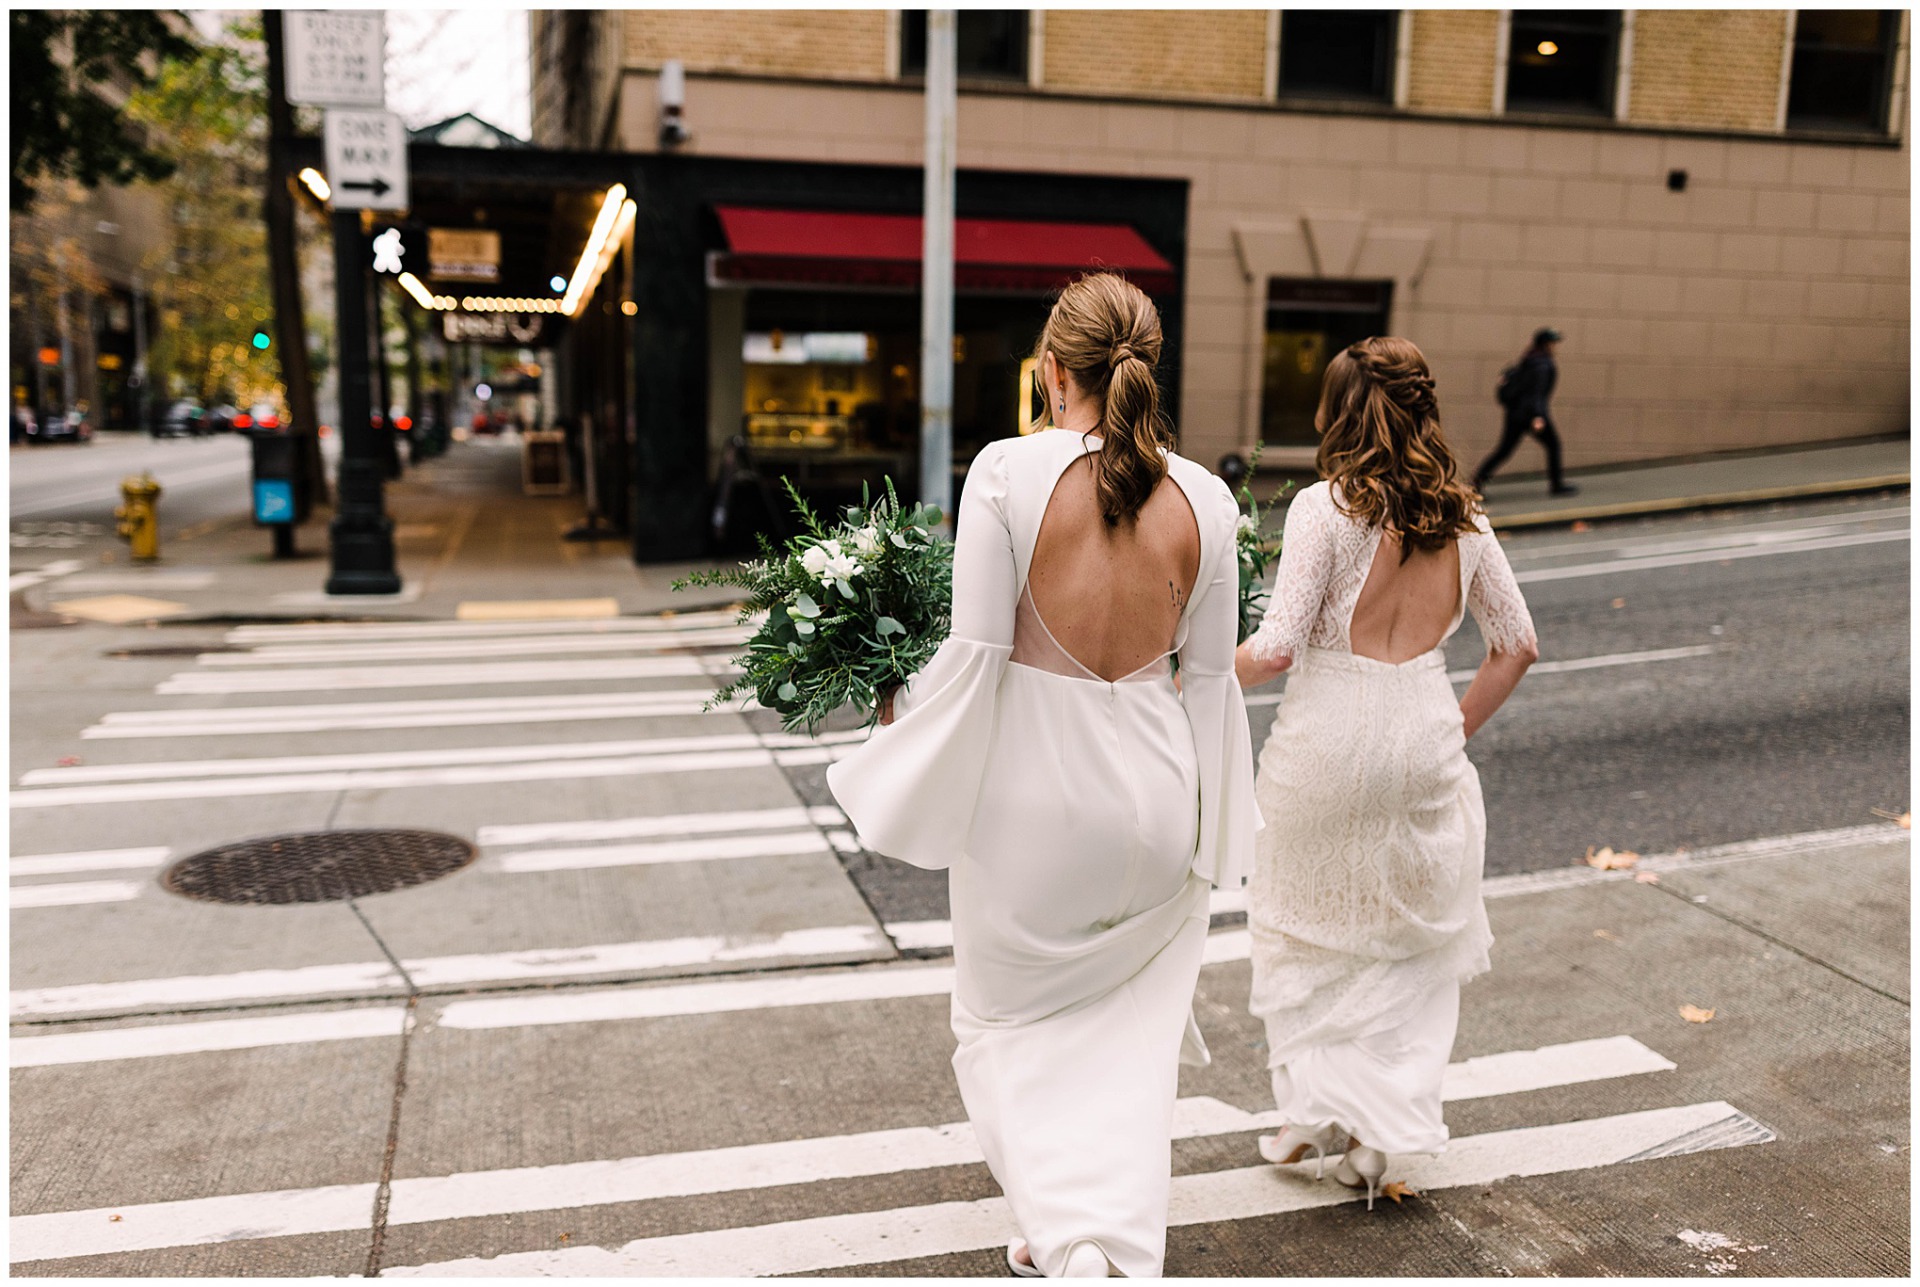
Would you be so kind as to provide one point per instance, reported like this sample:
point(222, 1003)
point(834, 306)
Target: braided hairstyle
point(1381, 444)
point(1106, 332)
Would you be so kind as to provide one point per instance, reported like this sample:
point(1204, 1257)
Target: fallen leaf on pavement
point(1619, 603)
point(1608, 860)
point(1607, 935)
point(1396, 1190)
point(1904, 819)
point(68, 761)
point(111, 1219)
point(1646, 877)
point(1581, 526)
point(1694, 1014)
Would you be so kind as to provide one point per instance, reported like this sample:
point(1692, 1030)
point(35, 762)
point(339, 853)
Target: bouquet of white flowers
point(851, 612)
point(1258, 548)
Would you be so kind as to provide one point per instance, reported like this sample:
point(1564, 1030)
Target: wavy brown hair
point(1106, 332)
point(1382, 446)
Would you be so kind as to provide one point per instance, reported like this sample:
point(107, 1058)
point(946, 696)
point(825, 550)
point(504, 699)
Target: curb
point(1717, 500)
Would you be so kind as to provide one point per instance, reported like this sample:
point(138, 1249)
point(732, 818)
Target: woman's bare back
point(1112, 596)
point(1405, 608)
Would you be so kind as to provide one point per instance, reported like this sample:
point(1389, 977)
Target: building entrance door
point(1308, 321)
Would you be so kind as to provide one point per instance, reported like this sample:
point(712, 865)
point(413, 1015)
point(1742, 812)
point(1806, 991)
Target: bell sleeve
point(910, 789)
point(1217, 713)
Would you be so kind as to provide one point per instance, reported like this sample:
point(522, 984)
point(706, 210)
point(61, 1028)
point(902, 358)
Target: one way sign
point(366, 159)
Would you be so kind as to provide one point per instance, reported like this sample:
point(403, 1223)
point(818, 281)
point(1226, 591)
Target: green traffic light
point(260, 340)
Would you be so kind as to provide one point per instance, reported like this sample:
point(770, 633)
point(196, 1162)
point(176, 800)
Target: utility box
point(543, 470)
point(278, 497)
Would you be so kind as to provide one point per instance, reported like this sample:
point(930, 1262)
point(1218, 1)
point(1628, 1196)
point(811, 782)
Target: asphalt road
point(74, 483)
point(1791, 715)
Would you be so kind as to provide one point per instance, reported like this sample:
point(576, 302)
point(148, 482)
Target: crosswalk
point(766, 941)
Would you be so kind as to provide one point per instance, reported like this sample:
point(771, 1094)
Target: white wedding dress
point(1082, 822)
point(1364, 908)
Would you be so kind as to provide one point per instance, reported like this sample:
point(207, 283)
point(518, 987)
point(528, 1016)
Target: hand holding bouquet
point(852, 611)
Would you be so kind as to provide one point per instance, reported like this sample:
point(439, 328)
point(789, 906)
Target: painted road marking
point(671, 824)
point(1553, 667)
point(459, 712)
point(563, 1186)
point(841, 941)
point(89, 860)
point(200, 1037)
point(130, 783)
point(1625, 547)
point(327, 632)
point(194, 683)
point(1652, 561)
point(879, 1237)
point(632, 641)
point(75, 893)
point(775, 844)
point(58, 568)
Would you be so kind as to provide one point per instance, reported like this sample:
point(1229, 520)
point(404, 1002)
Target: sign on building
point(525, 329)
point(464, 254)
point(366, 159)
point(336, 58)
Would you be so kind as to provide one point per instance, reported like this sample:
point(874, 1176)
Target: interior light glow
point(317, 183)
point(1548, 48)
point(579, 285)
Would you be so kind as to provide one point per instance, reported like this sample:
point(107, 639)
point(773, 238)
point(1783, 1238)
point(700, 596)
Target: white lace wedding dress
point(1082, 821)
point(1364, 907)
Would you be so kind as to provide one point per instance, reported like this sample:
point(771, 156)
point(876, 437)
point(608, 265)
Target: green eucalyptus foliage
point(1258, 548)
point(850, 611)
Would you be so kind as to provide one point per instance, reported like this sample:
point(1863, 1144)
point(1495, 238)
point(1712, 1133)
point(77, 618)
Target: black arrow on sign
point(379, 187)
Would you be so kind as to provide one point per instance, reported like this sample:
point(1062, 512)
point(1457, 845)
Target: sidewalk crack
point(383, 1191)
point(1783, 945)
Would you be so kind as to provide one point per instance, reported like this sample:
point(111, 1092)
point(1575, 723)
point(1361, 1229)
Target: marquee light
point(412, 285)
point(586, 273)
point(317, 183)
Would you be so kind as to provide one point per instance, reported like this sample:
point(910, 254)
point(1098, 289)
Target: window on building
point(1842, 69)
point(1563, 60)
point(1309, 321)
point(1332, 53)
point(991, 44)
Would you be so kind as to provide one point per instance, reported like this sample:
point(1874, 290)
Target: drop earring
point(1063, 402)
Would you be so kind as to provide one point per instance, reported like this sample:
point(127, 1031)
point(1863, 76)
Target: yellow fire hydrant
point(139, 516)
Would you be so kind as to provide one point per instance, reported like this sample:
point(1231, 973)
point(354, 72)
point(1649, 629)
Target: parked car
point(60, 426)
point(262, 418)
point(183, 417)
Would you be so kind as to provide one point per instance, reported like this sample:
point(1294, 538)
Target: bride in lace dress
point(1082, 797)
point(1364, 907)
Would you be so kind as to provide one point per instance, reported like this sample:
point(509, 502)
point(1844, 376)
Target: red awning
point(829, 248)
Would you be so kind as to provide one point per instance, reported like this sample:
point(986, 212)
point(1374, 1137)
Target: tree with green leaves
point(213, 290)
point(69, 70)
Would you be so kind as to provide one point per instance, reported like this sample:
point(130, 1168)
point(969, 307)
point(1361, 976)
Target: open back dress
point(1081, 821)
point(1364, 909)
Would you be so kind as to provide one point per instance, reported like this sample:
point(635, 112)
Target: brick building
point(1711, 204)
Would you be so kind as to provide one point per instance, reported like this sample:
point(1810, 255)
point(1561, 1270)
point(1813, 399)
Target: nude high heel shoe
point(1293, 1144)
point(1362, 1168)
point(1022, 1268)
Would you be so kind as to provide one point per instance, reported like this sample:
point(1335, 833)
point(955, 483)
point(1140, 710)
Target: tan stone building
point(1711, 204)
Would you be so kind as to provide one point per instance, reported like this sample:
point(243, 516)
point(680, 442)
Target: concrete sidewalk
point(1706, 482)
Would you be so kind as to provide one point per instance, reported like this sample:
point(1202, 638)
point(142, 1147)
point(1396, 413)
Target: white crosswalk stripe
point(721, 1170)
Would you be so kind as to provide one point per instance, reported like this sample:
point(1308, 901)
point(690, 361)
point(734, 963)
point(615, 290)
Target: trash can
point(279, 499)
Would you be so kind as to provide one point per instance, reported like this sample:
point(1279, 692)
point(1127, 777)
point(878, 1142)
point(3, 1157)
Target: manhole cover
point(317, 866)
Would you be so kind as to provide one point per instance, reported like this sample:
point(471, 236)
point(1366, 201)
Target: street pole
point(936, 273)
point(383, 376)
point(361, 534)
point(283, 261)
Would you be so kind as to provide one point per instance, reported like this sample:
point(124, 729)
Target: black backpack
point(1507, 391)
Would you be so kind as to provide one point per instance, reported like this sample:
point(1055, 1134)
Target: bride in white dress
point(1081, 793)
point(1364, 907)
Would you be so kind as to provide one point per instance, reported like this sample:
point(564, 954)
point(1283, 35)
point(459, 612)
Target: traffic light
point(262, 341)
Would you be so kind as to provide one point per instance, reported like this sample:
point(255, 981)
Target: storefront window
point(1308, 322)
point(1842, 69)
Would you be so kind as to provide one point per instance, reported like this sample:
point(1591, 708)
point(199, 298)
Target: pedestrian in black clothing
point(1524, 392)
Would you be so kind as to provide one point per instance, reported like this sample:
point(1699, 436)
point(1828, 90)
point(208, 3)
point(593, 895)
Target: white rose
point(1246, 525)
point(841, 567)
point(866, 543)
point(814, 560)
